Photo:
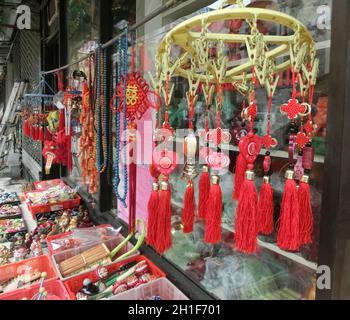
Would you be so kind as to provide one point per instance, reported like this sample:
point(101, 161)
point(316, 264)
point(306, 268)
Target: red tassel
point(41, 134)
point(266, 208)
point(164, 237)
point(48, 135)
point(246, 227)
point(61, 121)
point(154, 172)
point(289, 225)
point(69, 154)
point(214, 213)
point(35, 133)
point(26, 129)
point(241, 167)
point(152, 215)
point(204, 189)
point(306, 216)
point(188, 211)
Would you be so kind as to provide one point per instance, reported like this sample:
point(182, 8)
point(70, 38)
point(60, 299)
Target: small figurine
point(73, 224)
point(54, 231)
point(28, 240)
point(18, 242)
point(36, 248)
point(43, 241)
point(20, 254)
point(102, 274)
point(89, 289)
point(5, 255)
point(84, 219)
point(64, 221)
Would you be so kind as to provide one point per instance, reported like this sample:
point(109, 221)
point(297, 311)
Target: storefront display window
point(272, 273)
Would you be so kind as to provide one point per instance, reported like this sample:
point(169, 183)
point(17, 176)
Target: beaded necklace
point(122, 75)
point(101, 108)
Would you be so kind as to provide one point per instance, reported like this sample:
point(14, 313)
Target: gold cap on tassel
point(250, 175)
point(155, 186)
point(215, 179)
point(266, 179)
point(164, 186)
point(289, 175)
point(305, 179)
point(205, 169)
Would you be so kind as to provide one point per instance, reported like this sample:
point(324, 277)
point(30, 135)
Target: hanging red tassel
point(241, 167)
point(214, 213)
point(69, 154)
point(48, 135)
point(35, 133)
point(266, 208)
point(164, 237)
point(61, 121)
point(26, 129)
point(41, 134)
point(204, 189)
point(246, 228)
point(306, 216)
point(152, 208)
point(189, 208)
point(289, 225)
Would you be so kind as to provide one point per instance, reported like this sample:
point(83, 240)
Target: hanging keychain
point(204, 181)
point(217, 161)
point(288, 237)
point(266, 201)
point(246, 226)
point(190, 171)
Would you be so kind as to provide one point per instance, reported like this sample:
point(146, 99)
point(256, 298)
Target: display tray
point(14, 215)
point(7, 226)
point(55, 289)
point(44, 185)
point(161, 289)
point(75, 284)
point(39, 264)
point(111, 244)
point(51, 239)
point(52, 207)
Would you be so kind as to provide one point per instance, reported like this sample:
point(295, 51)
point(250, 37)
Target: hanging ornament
point(165, 162)
point(217, 161)
point(289, 222)
point(102, 145)
point(246, 226)
point(87, 142)
point(190, 171)
point(204, 181)
point(304, 193)
point(133, 98)
point(266, 201)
